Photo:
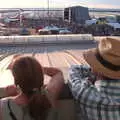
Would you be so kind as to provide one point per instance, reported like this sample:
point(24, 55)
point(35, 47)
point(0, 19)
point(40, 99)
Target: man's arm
point(82, 89)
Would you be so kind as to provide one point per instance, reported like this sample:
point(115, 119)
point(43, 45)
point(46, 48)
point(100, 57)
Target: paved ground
point(57, 55)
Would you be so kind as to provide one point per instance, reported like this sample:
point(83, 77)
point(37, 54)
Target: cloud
point(57, 3)
point(38, 3)
point(103, 6)
point(22, 3)
point(66, 3)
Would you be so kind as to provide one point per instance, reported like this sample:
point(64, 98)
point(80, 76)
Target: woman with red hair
point(33, 98)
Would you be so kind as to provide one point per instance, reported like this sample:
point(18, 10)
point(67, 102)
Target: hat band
point(105, 63)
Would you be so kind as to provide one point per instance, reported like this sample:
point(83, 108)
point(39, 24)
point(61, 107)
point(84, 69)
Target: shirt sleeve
point(82, 88)
point(78, 79)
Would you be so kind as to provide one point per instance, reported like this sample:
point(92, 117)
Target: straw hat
point(106, 58)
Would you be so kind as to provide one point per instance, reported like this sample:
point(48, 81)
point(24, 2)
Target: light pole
point(48, 13)
point(20, 14)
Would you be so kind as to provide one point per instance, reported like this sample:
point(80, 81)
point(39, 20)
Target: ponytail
point(38, 106)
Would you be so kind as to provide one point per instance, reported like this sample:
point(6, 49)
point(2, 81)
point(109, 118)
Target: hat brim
point(91, 59)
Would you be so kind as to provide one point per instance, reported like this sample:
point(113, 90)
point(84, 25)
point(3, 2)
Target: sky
point(59, 3)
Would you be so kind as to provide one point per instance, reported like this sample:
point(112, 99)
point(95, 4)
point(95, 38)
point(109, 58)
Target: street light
point(21, 15)
point(48, 13)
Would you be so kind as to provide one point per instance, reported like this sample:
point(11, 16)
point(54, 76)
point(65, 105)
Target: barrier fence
point(46, 38)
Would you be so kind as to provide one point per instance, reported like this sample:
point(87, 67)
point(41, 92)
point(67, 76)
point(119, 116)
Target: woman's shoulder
point(4, 101)
point(8, 105)
point(18, 111)
point(4, 109)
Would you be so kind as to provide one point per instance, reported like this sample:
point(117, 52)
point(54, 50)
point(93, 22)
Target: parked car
point(44, 32)
point(24, 31)
point(52, 29)
point(91, 22)
point(38, 28)
point(64, 31)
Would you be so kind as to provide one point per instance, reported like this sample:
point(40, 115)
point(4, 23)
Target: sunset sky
point(59, 3)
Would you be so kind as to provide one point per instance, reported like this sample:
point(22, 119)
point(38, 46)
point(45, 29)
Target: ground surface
point(56, 55)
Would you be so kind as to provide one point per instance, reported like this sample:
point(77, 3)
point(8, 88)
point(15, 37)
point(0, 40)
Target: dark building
point(76, 14)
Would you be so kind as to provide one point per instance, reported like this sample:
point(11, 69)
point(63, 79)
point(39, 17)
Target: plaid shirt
point(99, 101)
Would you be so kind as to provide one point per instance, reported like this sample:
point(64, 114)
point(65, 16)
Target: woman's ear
point(18, 89)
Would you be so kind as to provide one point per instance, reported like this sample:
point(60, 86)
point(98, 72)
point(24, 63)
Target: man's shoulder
point(80, 67)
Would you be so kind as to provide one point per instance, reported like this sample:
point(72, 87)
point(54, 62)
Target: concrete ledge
point(98, 38)
point(46, 39)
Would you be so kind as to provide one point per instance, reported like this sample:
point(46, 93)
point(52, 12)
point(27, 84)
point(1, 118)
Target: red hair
point(28, 74)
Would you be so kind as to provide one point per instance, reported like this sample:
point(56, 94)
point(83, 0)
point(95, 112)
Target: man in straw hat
point(96, 85)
